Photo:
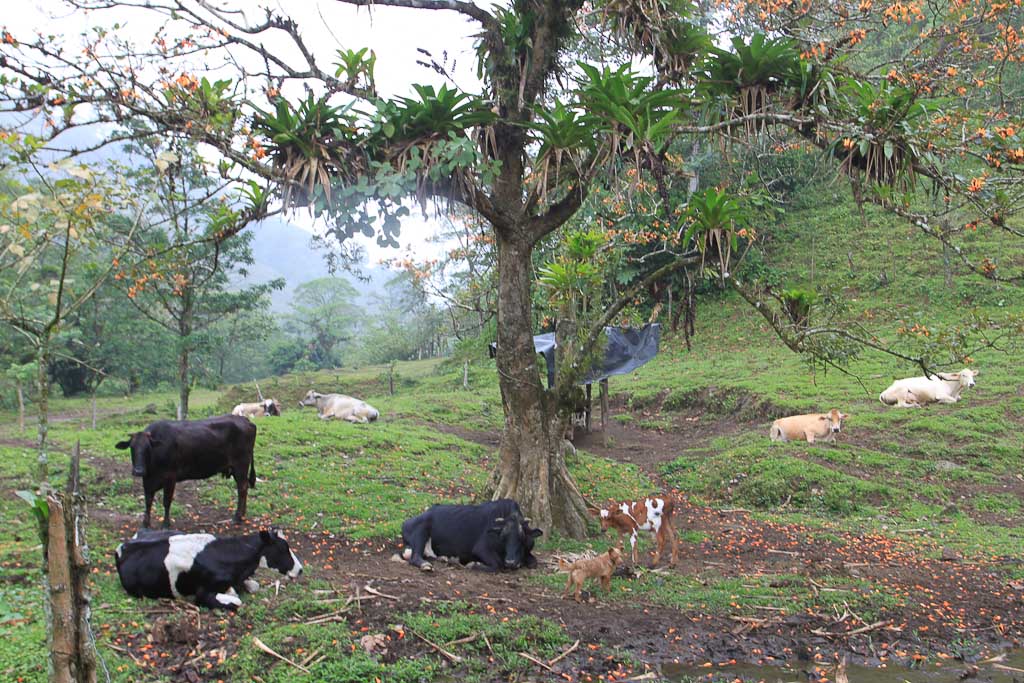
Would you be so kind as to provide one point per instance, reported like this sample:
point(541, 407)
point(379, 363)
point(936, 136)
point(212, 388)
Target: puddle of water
point(949, 672)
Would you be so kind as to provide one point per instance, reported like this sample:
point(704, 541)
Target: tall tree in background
point(181, 275)
point(527, 150)
point(324, 316)
point(58, 245)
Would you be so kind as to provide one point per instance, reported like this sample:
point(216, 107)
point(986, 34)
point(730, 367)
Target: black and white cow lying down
point(208, 569)
point(495, 534)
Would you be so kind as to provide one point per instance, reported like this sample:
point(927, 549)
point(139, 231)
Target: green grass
point(948, 472)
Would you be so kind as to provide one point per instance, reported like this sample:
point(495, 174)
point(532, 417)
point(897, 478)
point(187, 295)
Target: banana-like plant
point(638, 117)
point(305, 143)
point(711, 221)
point(887, 117)
point(747, 76)
point(562, 132)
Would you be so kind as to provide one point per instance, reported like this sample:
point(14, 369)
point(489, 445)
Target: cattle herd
point(495, 535)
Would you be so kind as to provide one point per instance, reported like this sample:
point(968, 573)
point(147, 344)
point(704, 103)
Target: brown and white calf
point(652, 514)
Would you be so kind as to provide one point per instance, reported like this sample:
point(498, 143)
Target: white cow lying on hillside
point(914, 392)
point(808, 427)
point(269, 406)
point(340, 406)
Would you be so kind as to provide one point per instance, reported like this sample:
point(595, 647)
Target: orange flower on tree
point(976, 184)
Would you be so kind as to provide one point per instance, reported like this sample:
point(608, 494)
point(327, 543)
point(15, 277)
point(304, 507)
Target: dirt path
point(932, 602)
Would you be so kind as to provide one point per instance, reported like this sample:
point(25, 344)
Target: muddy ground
point(947, 600)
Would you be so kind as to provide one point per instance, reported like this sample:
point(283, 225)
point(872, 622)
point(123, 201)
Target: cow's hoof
point(251, 585)
point(426, 567)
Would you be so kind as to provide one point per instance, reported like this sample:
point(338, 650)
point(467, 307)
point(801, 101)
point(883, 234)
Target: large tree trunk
point(532, 467)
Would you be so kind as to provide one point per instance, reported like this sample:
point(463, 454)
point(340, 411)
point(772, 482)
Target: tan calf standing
point(808, 427)
point(600, 567)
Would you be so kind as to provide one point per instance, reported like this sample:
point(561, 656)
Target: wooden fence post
point(72, 654)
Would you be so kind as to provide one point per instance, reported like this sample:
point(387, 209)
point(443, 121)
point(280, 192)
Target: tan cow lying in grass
point(340, 406)
point(268, 407)
point(914, 392)
point(810, 427)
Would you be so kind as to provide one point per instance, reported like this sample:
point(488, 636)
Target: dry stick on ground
point(572, 648)
point(862, 629)
point(260, 645)
point(461, 641)
point(452, 658)
point(373, 591)
point(536, 661)
point(1003, 667)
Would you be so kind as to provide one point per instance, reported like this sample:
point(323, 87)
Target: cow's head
point(507, 536)
point(275, 554)
point(310, 398)
point(835, 420)
point(141, 445)
point(271, 407)
point(966, 377)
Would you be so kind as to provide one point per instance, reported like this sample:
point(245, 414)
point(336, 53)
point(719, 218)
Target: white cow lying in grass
point(808, 427)
point(269, 406)
point(914, 392)
point(340, 406)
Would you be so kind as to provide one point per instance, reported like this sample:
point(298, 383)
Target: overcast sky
point(393, 33)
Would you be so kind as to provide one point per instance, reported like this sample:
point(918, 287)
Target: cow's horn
point(527, 521)
point(499, 520)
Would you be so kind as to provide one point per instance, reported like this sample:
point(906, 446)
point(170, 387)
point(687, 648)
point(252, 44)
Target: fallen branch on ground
point(572, 648)
point(260, 645)
point(451, 657)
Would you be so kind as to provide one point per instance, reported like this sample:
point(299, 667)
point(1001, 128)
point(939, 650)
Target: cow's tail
point(252, 471)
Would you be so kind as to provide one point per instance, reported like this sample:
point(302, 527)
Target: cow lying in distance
point(914, 392)
point(265, 408)
point(810, 427)
point(646, 514)
point(168, 452)
point(207, 569)
point(495, 534)
point(340, 406)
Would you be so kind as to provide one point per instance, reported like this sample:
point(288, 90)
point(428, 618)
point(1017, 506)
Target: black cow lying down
point(495, 534)
point(211, 570)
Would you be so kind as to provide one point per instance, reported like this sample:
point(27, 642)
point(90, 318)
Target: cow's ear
point(823, 417)
point(534, 533)
point(843, 416)
point(121, 445)
point(594, 511)
point(265, 536)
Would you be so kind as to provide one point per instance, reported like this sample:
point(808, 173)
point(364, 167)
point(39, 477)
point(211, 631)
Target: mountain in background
point(286, 251)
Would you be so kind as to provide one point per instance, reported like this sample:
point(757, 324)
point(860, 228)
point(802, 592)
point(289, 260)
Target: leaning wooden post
point(72, 655)
point(21, 406)
point(604, 405)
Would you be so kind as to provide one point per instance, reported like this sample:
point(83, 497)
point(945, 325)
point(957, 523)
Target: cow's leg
point(168, 497)
point(947, 399)
point(487, 559)
point(673, 540)
point(659, 539)
point(415, 546)
point(632, 545)
point(150, 492)
point(809, 436)
point(210, 597)
point(242, 485)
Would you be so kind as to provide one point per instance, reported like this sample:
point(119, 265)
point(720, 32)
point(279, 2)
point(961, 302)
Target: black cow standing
point(495, 534)
point(212, 570)
point(168, 452)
